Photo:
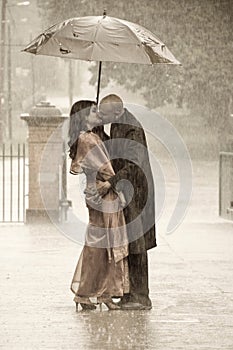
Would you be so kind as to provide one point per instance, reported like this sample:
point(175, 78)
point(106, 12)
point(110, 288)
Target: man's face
point(106, 113)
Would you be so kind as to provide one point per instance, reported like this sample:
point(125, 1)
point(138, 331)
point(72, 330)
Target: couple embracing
point(119, 196)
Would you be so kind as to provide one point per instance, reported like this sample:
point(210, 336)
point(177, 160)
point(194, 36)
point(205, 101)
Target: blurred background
point(196, 97)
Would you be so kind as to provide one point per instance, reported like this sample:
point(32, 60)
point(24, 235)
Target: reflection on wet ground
point(115, 330)
point(190, 288)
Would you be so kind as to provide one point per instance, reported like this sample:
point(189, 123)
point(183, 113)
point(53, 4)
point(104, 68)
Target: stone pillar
point(45, 148)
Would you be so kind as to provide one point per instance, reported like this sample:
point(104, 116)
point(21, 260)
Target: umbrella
point(101, 38)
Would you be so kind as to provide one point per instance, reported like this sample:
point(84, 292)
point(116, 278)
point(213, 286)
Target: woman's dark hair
point(78, 112)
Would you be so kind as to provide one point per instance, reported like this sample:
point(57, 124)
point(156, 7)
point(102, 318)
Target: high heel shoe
point(85, 303)
point(108, 302)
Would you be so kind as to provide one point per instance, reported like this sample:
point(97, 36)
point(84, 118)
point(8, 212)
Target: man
point(130, 160)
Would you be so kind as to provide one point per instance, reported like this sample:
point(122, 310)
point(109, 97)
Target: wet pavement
point(191, 288)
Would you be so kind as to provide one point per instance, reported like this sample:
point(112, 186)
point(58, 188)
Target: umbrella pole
point(98, 86)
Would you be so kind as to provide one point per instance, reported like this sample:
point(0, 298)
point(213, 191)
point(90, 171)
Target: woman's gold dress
point(102, 269)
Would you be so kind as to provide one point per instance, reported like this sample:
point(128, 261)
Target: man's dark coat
point(136, 169)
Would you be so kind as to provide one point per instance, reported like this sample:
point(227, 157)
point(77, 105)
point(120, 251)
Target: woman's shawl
point(92, 155)
point(92, 158)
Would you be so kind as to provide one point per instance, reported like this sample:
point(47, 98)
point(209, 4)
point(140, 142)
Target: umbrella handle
point(98, 86)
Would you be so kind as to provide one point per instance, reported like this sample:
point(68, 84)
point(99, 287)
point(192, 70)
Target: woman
point(102, 269)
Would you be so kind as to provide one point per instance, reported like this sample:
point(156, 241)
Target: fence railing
point(13, 182)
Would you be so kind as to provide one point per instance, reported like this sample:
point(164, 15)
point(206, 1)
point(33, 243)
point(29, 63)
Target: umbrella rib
point(157, 41)
point(129, 29)
point(54, 35)
point(139, 41)
point(93, 42)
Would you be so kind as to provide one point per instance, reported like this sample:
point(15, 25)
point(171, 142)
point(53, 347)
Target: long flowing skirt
point(102, 270)
point(96, 276)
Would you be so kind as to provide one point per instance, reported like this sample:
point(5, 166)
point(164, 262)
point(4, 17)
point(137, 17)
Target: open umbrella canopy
point(102, 38)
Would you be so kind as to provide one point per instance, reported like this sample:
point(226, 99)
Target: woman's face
point(93, 119)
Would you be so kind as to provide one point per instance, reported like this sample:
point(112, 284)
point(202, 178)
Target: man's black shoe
point(125, 299)
point(135, 306)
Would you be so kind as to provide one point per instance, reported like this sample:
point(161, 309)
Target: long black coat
point(136, 169)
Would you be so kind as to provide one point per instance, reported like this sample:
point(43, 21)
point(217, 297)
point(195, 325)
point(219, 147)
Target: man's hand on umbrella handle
point(103, 187)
